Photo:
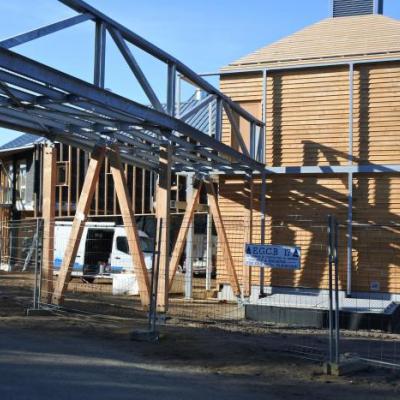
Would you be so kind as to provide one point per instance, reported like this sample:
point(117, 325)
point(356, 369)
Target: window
point(145, 243)
point(62, 173)
point(122, 244)
point(8, 172)
point(21, 181)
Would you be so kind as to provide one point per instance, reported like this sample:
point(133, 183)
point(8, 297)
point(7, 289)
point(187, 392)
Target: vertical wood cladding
point(307, 120)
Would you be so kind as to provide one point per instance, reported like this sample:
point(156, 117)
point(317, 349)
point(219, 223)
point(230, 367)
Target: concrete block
point(345, 367)
point(32, 312)
point(145, 336)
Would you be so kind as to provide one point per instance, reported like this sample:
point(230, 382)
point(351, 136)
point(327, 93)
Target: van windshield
point(145, 243)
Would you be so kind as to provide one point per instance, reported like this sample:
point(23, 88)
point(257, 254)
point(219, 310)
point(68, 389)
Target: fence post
point(337, 310)
point(334, 313)
point(36, 286)
point(209, 266)
point(330, 288)
point(154, 279)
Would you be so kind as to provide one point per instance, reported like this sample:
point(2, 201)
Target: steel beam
point(135, 68)
point(218, 120)
point(22, 65)
point(99, 54)
point(263, 195)
point(343, 63)
point(335, 169)
point(82, 7)
point(171, 89)
point(236, 130)
point(253, 140)
point(350, 184)
point(201, 104)
point(263, 133)
point(44, 31)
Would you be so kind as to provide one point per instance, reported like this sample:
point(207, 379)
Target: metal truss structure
point(38, 99)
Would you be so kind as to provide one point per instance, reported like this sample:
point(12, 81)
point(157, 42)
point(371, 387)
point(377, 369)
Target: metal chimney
point(347, 8)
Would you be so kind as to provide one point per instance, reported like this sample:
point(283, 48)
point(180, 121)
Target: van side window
point(122, 244)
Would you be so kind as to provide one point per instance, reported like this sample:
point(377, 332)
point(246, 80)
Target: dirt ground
point(89, 356)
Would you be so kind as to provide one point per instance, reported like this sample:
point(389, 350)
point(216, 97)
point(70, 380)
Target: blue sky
point(204, 34)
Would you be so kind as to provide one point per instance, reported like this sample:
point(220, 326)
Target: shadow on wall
point(298, 206)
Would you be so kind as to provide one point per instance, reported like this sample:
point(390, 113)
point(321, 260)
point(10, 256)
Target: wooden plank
point(248, 218)
point(182, 234)
point(48, 214)
point(70, 149)
point(82, 209)
point(223, 238)
point(78, 175)
point(128, 218)
point(163, 201)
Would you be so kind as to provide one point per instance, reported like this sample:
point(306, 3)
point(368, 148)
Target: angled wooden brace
point(219, 225)
point(248, 220)
point(128, 218)
point(183, 231)
point(82, 209)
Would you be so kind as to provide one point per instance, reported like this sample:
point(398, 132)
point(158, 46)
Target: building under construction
point(304, 128)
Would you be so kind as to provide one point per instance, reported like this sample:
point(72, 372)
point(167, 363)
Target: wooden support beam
point(163, 214)
point(222, 238)
point(248, 221)
point(82, 209)
point(48, 214)
point(183, 231)
point(128, 217)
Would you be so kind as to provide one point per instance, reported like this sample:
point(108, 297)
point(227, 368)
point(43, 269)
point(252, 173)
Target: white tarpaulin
point(272, 256)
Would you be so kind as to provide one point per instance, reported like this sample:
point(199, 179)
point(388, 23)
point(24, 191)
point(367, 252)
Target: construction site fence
point(311, 311)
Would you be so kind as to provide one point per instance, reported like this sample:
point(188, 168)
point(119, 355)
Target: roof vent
point(347, 8)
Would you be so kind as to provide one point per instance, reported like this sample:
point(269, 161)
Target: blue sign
point(272, 256)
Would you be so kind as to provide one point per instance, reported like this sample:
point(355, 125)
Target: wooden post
point(48, 214)
point(183, 231)
point(222, 237)
point(132, 233)
point(163, 213)
point(82, 209)
point(248, 220)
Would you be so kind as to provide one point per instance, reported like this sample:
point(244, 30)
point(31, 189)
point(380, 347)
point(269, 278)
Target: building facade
point(330, 98)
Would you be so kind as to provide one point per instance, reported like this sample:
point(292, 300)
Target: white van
point(103, 250)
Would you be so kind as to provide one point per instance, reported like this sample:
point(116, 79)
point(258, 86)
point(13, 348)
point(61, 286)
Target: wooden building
point(330, 98)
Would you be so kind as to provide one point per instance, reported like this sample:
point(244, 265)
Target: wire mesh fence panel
point(370, 311)
point(202, 276)
point(20, 258)
point(291, 306)
point(93, 269)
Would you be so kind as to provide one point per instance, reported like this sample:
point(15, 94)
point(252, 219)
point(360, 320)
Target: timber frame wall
point(331, 145)
point(71, 168)
point(73, 162)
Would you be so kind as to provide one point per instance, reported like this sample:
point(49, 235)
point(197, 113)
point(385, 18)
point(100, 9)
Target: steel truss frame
point(38, 99)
